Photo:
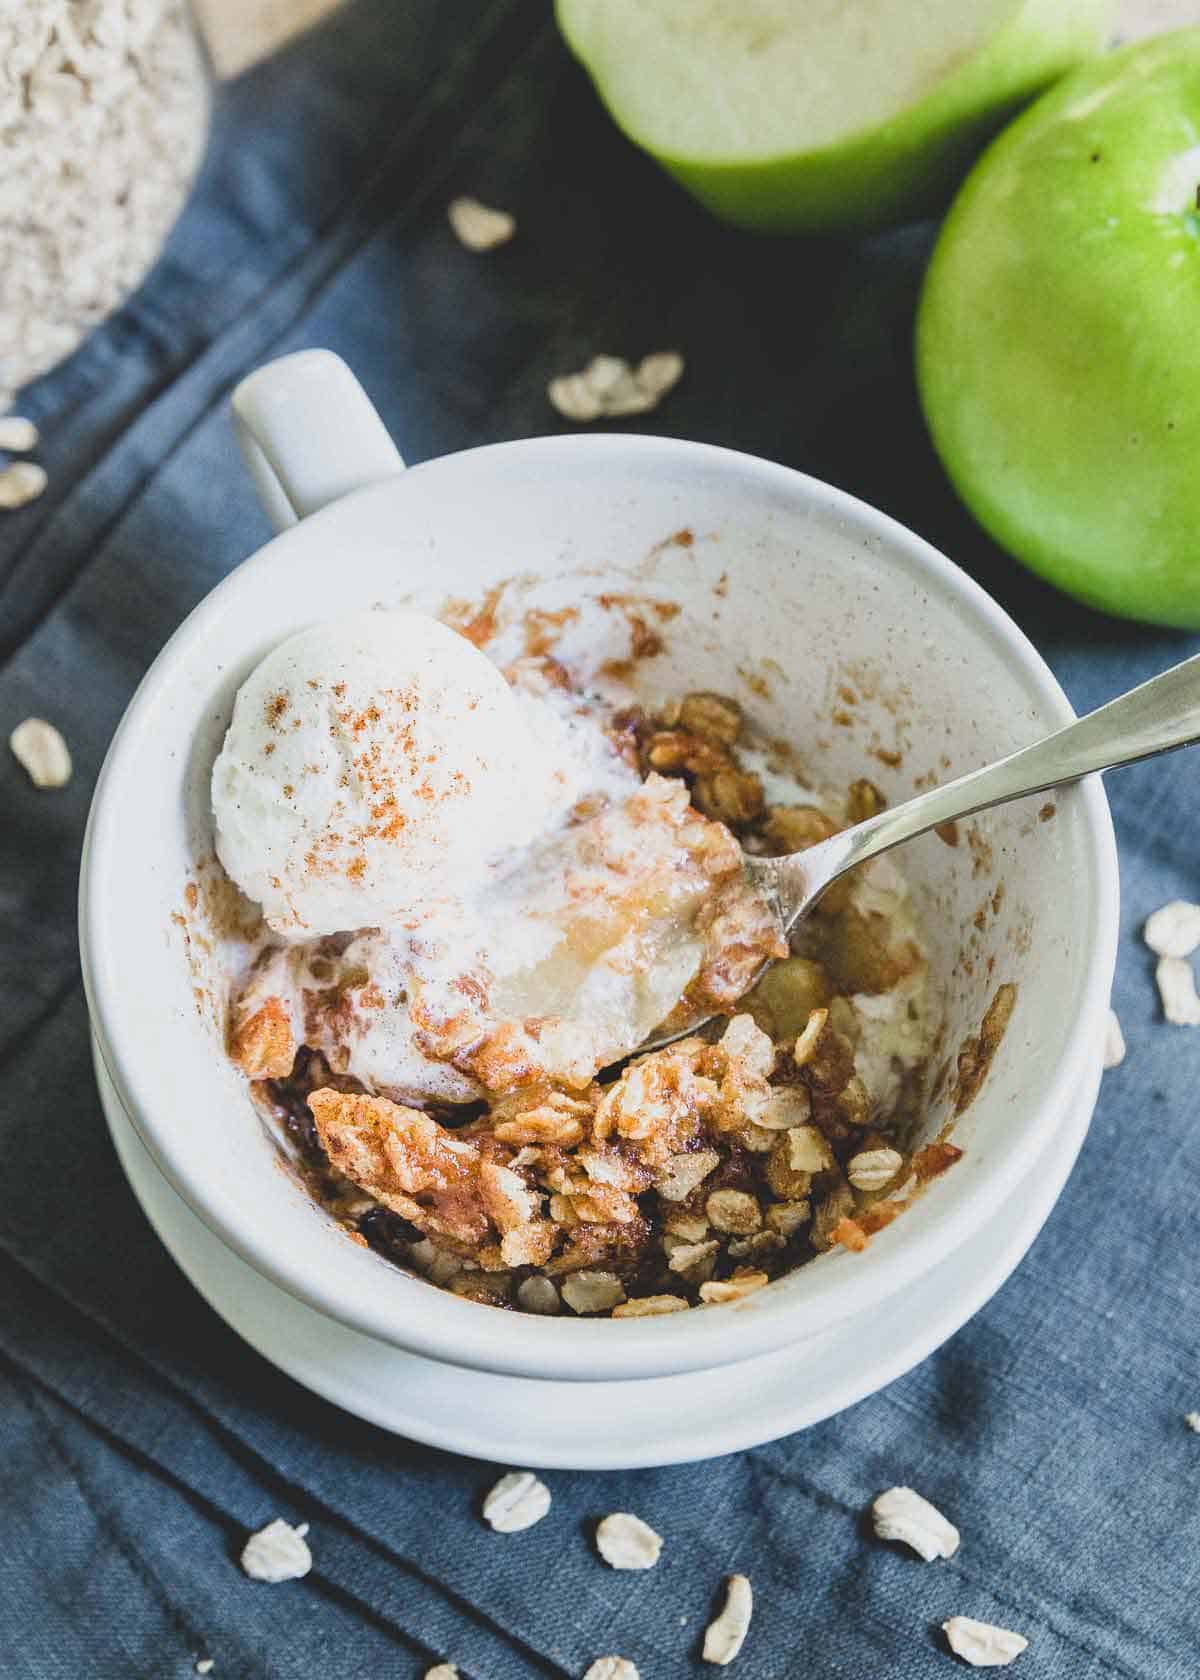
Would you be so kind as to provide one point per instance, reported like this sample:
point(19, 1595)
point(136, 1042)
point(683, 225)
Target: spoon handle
point(1156, 717)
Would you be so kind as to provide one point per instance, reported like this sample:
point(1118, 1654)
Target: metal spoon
point(1156, 717)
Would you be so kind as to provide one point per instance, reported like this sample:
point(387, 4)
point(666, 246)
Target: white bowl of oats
point(425, 1124)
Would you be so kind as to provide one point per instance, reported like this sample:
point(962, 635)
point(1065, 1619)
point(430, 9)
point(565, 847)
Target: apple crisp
point(448, 1093)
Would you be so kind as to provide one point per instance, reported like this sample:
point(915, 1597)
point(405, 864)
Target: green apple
point(1058, 337)
point(823, 115)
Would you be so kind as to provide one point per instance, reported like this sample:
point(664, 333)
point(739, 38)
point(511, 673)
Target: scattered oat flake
point(1192, 1419)
point(517, 1501)
point(204, 1665)
point(1174, 930)
point(981, 1644)
point(21, 482)
point(723, 1638)
point(1114, 1042)
point(610, 387)
point(626, 1542)
point(41, 750)
point(442, 1671)
point(612, 1668)
point(1177, 989)
point(900, 1514)
point(658, 372)
point(277, 1552)
point(478, 226)
point(17, 435)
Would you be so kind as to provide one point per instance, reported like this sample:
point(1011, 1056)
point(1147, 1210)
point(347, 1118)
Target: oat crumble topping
point(465, 1137)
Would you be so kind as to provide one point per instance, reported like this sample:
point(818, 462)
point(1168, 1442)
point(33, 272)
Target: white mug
point(791, 596)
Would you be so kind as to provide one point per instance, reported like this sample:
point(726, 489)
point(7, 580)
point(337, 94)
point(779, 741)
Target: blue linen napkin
point(141, 1440)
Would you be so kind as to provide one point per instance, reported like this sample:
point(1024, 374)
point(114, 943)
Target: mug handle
point(309, 434)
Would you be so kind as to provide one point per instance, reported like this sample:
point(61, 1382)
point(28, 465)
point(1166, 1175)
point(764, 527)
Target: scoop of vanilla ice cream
point(374, 763)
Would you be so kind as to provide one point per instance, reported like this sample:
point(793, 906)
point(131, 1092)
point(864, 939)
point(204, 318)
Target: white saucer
point(613, 1425)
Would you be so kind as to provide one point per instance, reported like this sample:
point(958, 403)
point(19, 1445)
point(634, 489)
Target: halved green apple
point(823, 115)
point(1058, 369)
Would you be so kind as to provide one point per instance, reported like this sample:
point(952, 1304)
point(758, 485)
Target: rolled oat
point(1173, 930)
point(724, 1637)
point(612, 1668)
point(733, 1211)
point(900, 1514)
point(592, 1292)
point(478, 226)
point(660, 370)
point(650, 1306)
point(787, 1107)
point(1177, 989)
point(277, 1552)
point(807, 1042)
point(873, 1169)
point(1114, 1042)
point(742, 1283)
point(981, 1644)
point(829, 1213)
point(442, 1671)
point(760, 1245)
point(797, 1155)
point(610, 386)
point(685, 1173)
point(682, 1228)
point(1192, 1419)
point(517, 1501)
point(439, 1266)
point(787, 1217)
point(17, 435)
point(626, 1542)
point(21, 483)
point(694, 1260)
point(41, 751)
